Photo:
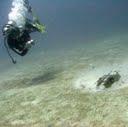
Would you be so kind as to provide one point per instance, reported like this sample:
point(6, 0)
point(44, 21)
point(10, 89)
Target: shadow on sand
point(24, 82)
point(43, 78)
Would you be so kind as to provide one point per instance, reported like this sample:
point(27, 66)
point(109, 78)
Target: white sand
point(111, 56)
point(58, 89)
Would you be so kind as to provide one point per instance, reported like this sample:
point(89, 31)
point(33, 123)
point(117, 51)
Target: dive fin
point(40, 27)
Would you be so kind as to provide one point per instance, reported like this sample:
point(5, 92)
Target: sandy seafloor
point(57, 88)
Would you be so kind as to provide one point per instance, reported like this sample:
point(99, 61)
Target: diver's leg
point(22, 53)
point(30, 26)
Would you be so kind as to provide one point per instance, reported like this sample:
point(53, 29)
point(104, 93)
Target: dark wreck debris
point(108, 80)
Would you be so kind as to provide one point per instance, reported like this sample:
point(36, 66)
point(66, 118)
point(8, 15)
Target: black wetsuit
point(17, 40)
point(17, 43)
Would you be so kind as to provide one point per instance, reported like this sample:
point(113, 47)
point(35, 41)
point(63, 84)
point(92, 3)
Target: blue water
point(71, 23)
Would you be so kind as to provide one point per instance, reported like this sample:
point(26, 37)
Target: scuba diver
point(17, 31)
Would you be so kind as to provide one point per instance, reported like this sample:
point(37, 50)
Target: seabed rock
point(108, 80)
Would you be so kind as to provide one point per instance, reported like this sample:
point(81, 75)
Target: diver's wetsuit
point(18, 37)
point(17, 44)
point(17, 32)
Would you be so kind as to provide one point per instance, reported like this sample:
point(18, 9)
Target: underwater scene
point(63, 63)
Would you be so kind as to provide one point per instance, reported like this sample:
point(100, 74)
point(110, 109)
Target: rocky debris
point(106, 81)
